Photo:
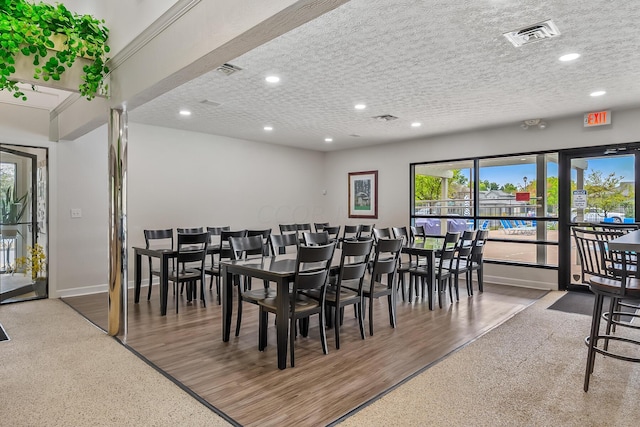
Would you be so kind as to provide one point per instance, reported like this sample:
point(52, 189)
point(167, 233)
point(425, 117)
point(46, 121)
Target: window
point(515, 197)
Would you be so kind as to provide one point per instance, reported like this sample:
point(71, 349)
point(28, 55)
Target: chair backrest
point(214, 234)
point(192, 248)
point(334, 232)
point(265, 238)
point(449, 245)
point(351, 232)
point(192, 230)
point(315, 239)
point(312, 267)
point(303, 227)
point(478, 246)
point(319, 226)
point(225, 248)
point(401, 233)
point(280, 242)
point(387, 253)
point(382, 233)
point(159, 238)
point(465, 245)
point(366, 231)
point(596, 259)
point(288, 228)
point(417, 231)
point(246, 247)
point(353, 262)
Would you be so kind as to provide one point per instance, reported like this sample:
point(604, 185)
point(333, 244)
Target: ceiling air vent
point(532, 33)
point(209, 102)
point(385, 118)
point(228, 69)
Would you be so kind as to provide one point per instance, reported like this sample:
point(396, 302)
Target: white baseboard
point(523, 283)
point(88, 290)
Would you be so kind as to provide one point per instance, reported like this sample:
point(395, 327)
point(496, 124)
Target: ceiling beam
point(191, 38)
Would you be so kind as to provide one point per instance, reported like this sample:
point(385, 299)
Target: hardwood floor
point(247, 386)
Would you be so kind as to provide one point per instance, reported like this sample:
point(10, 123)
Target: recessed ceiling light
point(598, 93)
point(268, 128)
point(185, 112)
point(569, 57)
point(359, 106)
point(328, 140)
point(272, 79)
point(416, 124)
point(523, 159)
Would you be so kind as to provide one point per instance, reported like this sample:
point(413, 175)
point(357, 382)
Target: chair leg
point(595, 327)
point(480, 279)
point(204, 303)
point(412, 280)
point(239, 316)
point(218, 289)
point(360, 318)
point(150, 284)
point(337, 322)
point(392, 310)
point(323, 331)
point(371, 316)
point(292, 340)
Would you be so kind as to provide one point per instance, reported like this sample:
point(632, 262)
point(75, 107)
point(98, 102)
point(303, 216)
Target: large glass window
point(514, 197)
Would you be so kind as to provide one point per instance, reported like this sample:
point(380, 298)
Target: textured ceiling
point(445, 64)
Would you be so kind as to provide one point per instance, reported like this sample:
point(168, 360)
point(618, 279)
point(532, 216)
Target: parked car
point(598, 215)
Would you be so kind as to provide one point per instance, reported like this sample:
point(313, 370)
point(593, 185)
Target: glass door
point(23, 223)
point(598, 188)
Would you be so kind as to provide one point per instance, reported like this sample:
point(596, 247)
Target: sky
point(621, 165)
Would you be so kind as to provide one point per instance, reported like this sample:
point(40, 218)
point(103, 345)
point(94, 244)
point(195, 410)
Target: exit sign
point(597, 118)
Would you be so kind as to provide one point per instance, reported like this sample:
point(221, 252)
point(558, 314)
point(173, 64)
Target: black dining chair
point(366, 231)
point(406, 261)
point(320, 226)
point(334, 232)
point(249, 247)
point(460, 264)
point(214, 241)
point(224, 253)
point(384, 266)
point(162, 239)
point(475, 262)
point(315, 239)
point(354, 259)
point(422, 275)
point(265, 233)
point(284, 243)
point(613, 276)
point(313, 264)
point(350, 232)
point(190, 259)
point(192, 230)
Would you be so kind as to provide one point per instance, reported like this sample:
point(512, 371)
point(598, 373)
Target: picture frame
point(363, 194)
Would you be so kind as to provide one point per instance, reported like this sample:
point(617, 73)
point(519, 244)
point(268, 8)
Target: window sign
point(580, 199)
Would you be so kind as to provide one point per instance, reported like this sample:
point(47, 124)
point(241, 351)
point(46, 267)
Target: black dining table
point(427, 248)
point(164, 255)
point(279, 269)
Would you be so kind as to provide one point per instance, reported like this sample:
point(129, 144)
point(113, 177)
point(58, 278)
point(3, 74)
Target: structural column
point(118, 223)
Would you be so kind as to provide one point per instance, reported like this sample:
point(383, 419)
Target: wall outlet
point(76, 213)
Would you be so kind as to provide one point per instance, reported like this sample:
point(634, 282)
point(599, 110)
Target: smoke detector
point(228, 69)
point(385, 118)
point(533, 122)
point(532, 33)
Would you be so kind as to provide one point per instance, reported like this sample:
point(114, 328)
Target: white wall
point(177, 179)
point(392, 162)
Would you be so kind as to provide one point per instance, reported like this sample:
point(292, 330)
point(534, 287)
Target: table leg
point(137, 276)
point(164, 283)
point(431, 264)
point(282, 321)
point(227, 302)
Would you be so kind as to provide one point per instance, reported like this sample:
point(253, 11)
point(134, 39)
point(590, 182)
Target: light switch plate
point(76, 213)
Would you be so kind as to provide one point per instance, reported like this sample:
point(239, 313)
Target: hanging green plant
point(53, 38)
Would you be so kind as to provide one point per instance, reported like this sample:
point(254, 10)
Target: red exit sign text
point(597, 118)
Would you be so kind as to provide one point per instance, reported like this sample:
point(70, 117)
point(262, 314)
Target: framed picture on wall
point(363, 194)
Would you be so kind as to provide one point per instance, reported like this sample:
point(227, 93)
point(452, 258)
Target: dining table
point(426, 248)
point(279, 269)
point(164, 256)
